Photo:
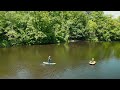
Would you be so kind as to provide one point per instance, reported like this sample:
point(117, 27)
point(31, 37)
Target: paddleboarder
point(49, 59)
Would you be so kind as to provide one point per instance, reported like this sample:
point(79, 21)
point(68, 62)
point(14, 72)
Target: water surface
point(25, 62)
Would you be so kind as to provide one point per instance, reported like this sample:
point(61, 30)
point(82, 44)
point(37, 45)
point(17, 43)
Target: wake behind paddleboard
point(49, 63)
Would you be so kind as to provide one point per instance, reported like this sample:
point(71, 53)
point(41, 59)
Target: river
point(25, 62)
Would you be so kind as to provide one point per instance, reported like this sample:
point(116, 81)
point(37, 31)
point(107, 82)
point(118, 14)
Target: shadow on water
point(72, 59)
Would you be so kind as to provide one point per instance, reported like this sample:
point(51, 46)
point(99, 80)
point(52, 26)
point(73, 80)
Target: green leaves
point(44, 27)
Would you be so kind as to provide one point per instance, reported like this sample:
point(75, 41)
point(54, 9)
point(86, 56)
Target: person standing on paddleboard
point(49, 59)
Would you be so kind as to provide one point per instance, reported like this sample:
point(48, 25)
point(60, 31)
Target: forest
point(50, 27)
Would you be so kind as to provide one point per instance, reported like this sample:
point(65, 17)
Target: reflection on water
point(23, 73)
point(72, 59)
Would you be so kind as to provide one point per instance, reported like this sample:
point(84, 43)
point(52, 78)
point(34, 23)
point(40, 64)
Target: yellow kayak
point(92, 62)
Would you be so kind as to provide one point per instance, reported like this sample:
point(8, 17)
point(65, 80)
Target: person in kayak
point(92, 62)
point(49, 59)
point(92, 59)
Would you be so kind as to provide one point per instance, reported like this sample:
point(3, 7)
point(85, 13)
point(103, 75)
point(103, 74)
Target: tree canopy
point(46, 27)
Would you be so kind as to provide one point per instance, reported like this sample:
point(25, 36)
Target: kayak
point(92, 62)
point(49, 63)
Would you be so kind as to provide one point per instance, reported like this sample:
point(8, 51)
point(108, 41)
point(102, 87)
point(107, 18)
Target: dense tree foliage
point(45, 27)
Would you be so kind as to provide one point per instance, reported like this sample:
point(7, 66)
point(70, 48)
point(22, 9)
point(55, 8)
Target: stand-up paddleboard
point(49, 63)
